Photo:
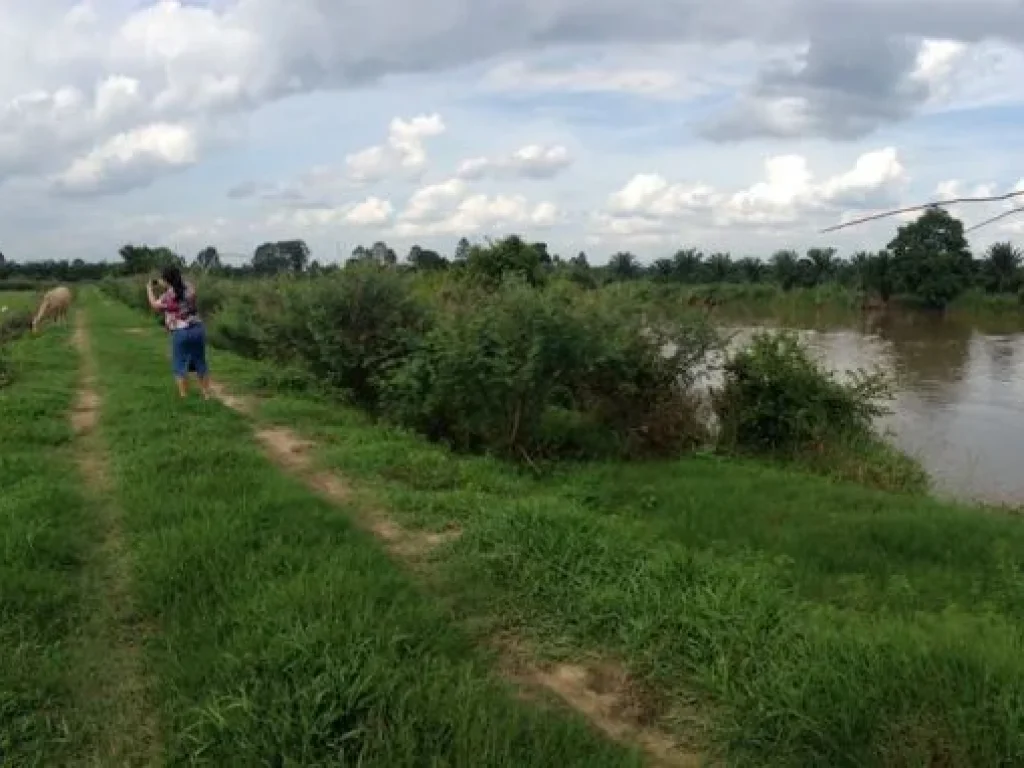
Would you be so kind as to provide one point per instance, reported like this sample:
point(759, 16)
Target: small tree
point(426, 259)
point(509, 256)
point(623, 266)
point(207, 259)
point(931, 258)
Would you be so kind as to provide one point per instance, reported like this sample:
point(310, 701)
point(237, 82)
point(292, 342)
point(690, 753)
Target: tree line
point(928, 259)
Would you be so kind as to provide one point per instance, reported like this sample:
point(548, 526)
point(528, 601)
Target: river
point(959, 394)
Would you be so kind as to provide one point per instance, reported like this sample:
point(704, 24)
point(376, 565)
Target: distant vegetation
point(928, 263)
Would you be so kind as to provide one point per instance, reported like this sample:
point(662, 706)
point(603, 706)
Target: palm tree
point(1001, 268)
point(720, 267)
point(786, 267)
point(752, 269)
point(823, 263)
point(688, 264)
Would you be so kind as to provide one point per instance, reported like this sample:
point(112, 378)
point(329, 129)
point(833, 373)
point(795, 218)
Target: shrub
point(776, 399)
point(348, 329)
point(543, 374)
point(14, 324)
point(640, 376)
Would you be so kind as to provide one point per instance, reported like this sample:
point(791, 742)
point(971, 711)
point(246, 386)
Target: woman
point(188, 333)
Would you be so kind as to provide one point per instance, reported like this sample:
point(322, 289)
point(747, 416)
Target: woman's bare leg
point(182, 386)
point(204, 384)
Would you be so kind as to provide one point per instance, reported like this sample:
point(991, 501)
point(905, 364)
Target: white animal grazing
point(55, 305)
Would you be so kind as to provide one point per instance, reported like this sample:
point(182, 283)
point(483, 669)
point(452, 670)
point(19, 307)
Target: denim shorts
point(188, 350)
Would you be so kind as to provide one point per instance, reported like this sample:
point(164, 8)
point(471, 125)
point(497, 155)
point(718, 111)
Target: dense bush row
point(532, 371)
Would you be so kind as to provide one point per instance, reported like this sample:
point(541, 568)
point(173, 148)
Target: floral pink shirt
point(178, 315)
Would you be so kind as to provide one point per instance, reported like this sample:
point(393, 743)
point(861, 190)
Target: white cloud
point(519, 76)
point(372, 212)
point(535, 161)
point(872, 174)
point(433, 202)
point(404, 150)
point(474, 168)
point(954, 188)
point(446, 208)
point(649, 204)
point(130, 159)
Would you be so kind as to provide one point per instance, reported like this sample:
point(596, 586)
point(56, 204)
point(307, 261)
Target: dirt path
point(113, 680)
point(602, 692)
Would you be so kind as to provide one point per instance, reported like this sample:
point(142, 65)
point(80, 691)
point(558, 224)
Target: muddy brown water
point(959, 394)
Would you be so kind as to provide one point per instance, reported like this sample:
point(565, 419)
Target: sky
point(592, 125)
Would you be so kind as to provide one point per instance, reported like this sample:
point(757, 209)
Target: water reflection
point(959, 403)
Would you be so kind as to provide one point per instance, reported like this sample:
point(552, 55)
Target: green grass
point(280, 634)
point(822, 623)
point(18, 300)
point(46, 535)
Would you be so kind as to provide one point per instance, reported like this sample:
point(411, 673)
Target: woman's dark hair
point(172, 276)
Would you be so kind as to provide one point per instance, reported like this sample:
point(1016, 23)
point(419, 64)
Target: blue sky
point(594, 126)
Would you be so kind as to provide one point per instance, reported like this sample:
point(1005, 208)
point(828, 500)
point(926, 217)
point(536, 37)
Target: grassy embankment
point(813, 622)
point(47, 533)
point(278, 633)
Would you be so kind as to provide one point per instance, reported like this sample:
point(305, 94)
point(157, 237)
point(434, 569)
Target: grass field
point(756, 615)
point(18, 300)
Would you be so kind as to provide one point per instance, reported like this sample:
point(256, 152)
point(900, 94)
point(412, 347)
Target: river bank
point(836, 303)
